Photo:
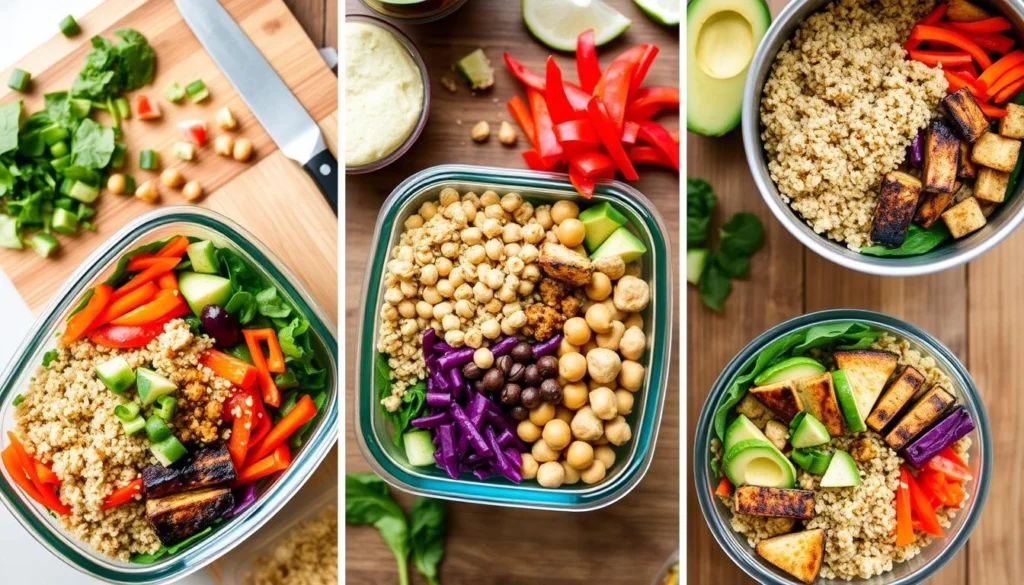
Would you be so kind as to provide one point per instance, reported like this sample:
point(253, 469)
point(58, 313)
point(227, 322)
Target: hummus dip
point(383, 93)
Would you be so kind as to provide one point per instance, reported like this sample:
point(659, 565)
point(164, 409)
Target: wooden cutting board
point(269, 195)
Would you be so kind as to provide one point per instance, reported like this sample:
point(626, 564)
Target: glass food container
point(932, 557)
point(161, 223)
point(632, 459)
point(414, 12)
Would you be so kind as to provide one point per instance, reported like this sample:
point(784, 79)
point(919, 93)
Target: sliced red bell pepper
point(613, 88)
point(123, 494)
point(922, 509)
point(995, 24)
point(303, 411)
point(957, 495)
point(521, 114)
point(648, 101)
point(167, 281)
point(904, 520)
point(28, 465)
point(934, 484)
point(46, 475)
point(262, 425)
point(989, 76)
point(950, 454)
point(576, 131)
point(270, 393)
point(996, 43)
point(630, 132)
point(584, 185)
point(10, 459)
point(656, 134)
point(577, 97)
point(230, 368)
point(547, 145)
point(610, 136)
point(278, 460)
point(554, 94)
point(592, 164)
point(128, 302)
point(649, 155)
point(961, 79)
point(533, 160)
point(587, 67)
point(945, 58)
point(993, 111)
point(274, 355)
point(643, 66)
point(953, 38)
point(933, 18)
point(163, 307)
point(148, 275)
point(724, 488)
point(79, 323)
point(949, 468)
point(126, 336)
point(241, 407)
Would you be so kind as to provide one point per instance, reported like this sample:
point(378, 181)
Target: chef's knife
point(289, 125)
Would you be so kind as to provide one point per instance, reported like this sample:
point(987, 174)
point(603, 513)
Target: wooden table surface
point(974, 310)
point(623, 544)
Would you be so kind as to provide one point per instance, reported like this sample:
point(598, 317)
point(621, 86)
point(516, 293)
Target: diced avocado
point(742, 429)
point(696, 261)
point(419, 449)
point(600, 222)
point(809, 433)
point(83, 192)
point(793, 368)
point(9, 232)
point(800, 553)
point(842, 472)
point(204, 289)
point(814, 461)
point(116, 374)
point(203, 256)
point(818, 397)
point(43, 244)
point(773, 502)
point(756, 462)
point(152, 385)
point(847, 402)
point(476, 69)
point(621, 243)
point(64, 222)
point(781, 397)
point(867, 371)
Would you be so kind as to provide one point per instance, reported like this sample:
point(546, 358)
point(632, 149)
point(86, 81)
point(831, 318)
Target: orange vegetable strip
point(946, 58)
point(934, 17)
point(128, 302)
point(230, 368)
point(123, 494)
point(300, 414)
point(1009, 91)
point(950, 454)
point(28, 465)
point(996, 43)
point(241, 429)
point(904, 522)
point(956, 492)
point(157, 309)
point(271, 395)
point(992, 111)
point(960, 79)
point(148, 275)
point(174, 249)
point(1001, 67)
point(934, 34)
point(949, 468)
point(521, 114)
point(46, 475)
point(278, 460)
point(922, 508)
point(79, 323)
point(987, 26)
point(10, 459)
point(167, 281)
point(274, 357)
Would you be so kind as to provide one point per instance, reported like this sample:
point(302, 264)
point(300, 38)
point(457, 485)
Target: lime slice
point(557, 23)
point(664, 11)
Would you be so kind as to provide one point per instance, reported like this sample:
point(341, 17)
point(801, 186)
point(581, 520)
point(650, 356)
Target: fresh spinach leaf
point(918, 241)
point(242, 305)
point(742, 235)
point(427, 533)
point(164, 551)
point(10, 120)
point(368, 502)
point(136, 59)
point(412, 404)
point(733, 266)
point(92, 145)
point(700, 204)
point(714, 286)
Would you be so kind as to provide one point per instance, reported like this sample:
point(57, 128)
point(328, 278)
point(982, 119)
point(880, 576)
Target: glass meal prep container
point(935, 555)
point(632, 459)
point(161, 223)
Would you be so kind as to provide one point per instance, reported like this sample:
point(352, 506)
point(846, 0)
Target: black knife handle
point(324, 169)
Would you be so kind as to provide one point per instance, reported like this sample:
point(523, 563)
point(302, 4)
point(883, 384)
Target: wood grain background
point(623, 544)
point(974, 310)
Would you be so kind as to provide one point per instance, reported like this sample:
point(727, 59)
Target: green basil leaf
point(918, 241)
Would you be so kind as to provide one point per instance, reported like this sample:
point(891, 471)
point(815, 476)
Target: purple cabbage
point(915, 152)
point(948, 431)
point(504, 346)
point(455, 358)
point(245, 496)
point(548, 347)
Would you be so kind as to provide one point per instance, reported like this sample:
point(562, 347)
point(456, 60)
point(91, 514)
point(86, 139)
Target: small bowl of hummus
point(387, 94)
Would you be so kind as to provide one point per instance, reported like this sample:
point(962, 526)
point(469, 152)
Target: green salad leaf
point(427, 536)
point(700, 205)
point(10, 120)
point(368, 502)
point(918, 241)
point(165, 551)
point(91, 147)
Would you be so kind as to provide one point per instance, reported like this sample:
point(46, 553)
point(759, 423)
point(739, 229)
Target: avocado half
point(722, 37)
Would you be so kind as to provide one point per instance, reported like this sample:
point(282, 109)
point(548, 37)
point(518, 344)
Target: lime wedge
point(664, 11)
point(557, 23)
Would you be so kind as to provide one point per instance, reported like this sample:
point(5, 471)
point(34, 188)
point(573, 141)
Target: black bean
point(533, 377)
point(493, 380)
point(510, 394)
point(551, 391)
point(530, 397)
point(504, 363)
point(522, 352)
point(548, 366)
point(472, 371)
point(516, 373)
point(519, 413)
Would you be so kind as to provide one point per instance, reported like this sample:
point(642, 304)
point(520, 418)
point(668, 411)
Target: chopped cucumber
point(149, 160)
point(19, 80)
point(9, 232)
point(124, 109)
point(419, 449)
point(83, 192)
point(116, 374)
point(174, 92)
point(157, 429)
point(64, 222)
point(197, 91)
point(59, 164)
point(152, 385)
point(476, 69)
point(69, 26)
point(59, 149)
point(117, 158)
point(43, 244)
point(134, 426)
point(696, 261)
point(168, 451)
point(184, 150)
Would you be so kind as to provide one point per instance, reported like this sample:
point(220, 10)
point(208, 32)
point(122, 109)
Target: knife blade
point(275, 106)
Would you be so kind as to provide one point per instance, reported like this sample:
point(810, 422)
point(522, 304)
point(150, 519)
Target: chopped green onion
point(129, 184)
point(124, 109)
point(197, 90)
point(66, 203)
point(168, 451)
point(19, 80)
point(149, 160)
point(43, 244)
point(133, 426)
point(18, 399)
point(58, 149)
point(127, 411)
point(69, 27)
point(165, 406)
point(174, 92)
point(117, 158)
point(156, 429)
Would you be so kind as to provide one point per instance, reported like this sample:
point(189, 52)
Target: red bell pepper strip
point(554, 94)
point(167, 281)
point(945, 58)
point(584, 185)
point(613, 88)
point(981, 27)
point(644, 65)
point(724, 488)
point(953, 38)
point(278, 460)
point(128, 302)
point(241, 407)
point(127, 336)
point(262, 425)
point(656, 134)
point(957, 495)
point(649, 155)
point(1009, 91)
point(547, 145)
point(230, 368)
point(150, 274)
point(10, 459)
point(922, 509)
point(1001, 67)
point(271, 394)
point(996, 43)
point(933, 18)
point(162, 308)
point(533, 160)
point(610, 136)
point(950, 454)
point(576, 131)
point(274, 356)
point(46, 475)
point(904, 520)
point(577, 97)
point(592, 164)
point(123, 494)
point(587, 66)
point(28, 465)
point(934, 483)
point(521, 114)
point(648, 101)
point(630, 132)
point(949, 468)
point(303, 411)
point(961, 79)
point(80, 323)
point(992, 111)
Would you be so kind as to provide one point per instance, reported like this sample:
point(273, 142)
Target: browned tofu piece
point(931, 208)
point(941, 158)
point(203, 468)
point(781, 397)
point(965, 11)
point(177, 517)
point(818, 396)
point(991, 185)
point(964, 218)
point(774, 502)
point(967, 169)
point(895, 397)
point(798, 553)
point(996, 152)
point(963, 110)
point(1012, 125)
point(896, 204)
point(920, 416)
point(564, 264)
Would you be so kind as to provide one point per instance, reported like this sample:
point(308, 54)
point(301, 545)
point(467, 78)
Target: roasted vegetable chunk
point(896, 204)
point(941, 158)
point(774, 502)
point(931, 208)
point(964, 218)
point(991, 185)
point(965, 114)
point(925, 411)
point(896, 396)
point(564, 264)
point(777, 433)
point(1012, 125)
point(967, 169)
point(206, 467)
point(818, 396)
point(996, 152)
point(175, 518)
point(799, 554)
point(782, 398)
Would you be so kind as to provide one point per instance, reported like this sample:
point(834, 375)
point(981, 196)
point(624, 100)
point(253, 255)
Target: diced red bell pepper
point(957, 495)
point(229, 367)
point(592, 164)
point(643, 66)
point(904, 514)
point(950, 454)
point(554, 94)
point(123, 494)
point(949, 468)
point(303, 411)
point(630, 132)
point(584, 185)
point(241, 407)
point(587, 66)
point(610, 136)
point(945, 58)
point(995, 24)
point(996, 43)
point(933, 18)
point(577, 97)
point(80, 323)
point(533, 161)
point(953, 38)
point(271, 394)
point(521, 114)
point(547, 145)
point(922, 509)
point(656, 134)
point(724, 488)
point(648, 101)
point(195, 130)
point(613, 88)
point(126, 336)
point(145, 108)
point(934, 484)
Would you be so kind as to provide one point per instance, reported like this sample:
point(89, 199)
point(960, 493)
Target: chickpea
point(594, 473)
point(469, 210)
point(116, 184)
point(471, 236)
point(594, 385)
point(574, 395)
point(563, 210)
point(603, 365)
point(444, 266)
point(599, 318)
point(450, 323)
point(445, 288)
point(463, 308)
point(633, 344)
point(494, 279)
point(631, 377)
point(576, 331)
point(242, 150)
point(613, 338)
point(517, 320)
point(494, 249)
point(442, 309)
point(428, 210)
point(474, 338)
point(579, 455)
point(424, 310)
point(494, 307)
point(586, 426)
point(413, 221)
point(533, 233)
point(564, 414)
point(550, 474)
point(604, 454)
point(489, 197)
point(556, 433)
point(631, 294)
point(483, 358)
point(571, 232)
point(447, 196)
point(565, 347)
point(542, 414)
point(491, 328)
point(525, 288)
point(524, 213)
point(192, 191)
point(611, 266)
point(511, 233)
point(450, 249)
point(507, 134)
point(600, 286)
point(543, 216)
point(572, 366)
point(481, 131)
point(624, 401)
point(511, 202)
point(542, 453)
point(633, 269)
point(407, 309)
point(531, 272)
point(634, 320)
point(389, 313)
point(527, 431)
point(223, 145)
point(494, 212)
point(602, 402)
point(616, 314)
point(617, 430)
point(409, 328)
point(572, 476)
point(172, 178)
point(529, 469)
point(455, 338)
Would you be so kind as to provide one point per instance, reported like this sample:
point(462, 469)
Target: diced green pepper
point(58, 149)
point(149, 160)
point(174, 92)
point(83, 192)
point(127, 411)
point(43, 244)
point(157, 429)
point(117, 158)
point(9, 232)
point(197, 91)
point(129, 184)
point(64, 222)
point(69, 27)
point(19, 80)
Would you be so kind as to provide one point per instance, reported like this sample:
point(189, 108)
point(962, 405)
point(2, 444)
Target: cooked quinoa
point(66, 420)
point(840, 107)
point(308, 555)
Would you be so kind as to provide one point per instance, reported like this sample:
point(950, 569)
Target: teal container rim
point(502, 492)
point(232, 533)
point(735, 545)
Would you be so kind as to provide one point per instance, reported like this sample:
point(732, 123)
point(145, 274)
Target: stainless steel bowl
point(1000, 224)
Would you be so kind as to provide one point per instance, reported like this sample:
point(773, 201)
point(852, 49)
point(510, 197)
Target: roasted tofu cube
point(175, 518)
point(941, 158)
point(963, 110)
point(774, 502)
point(991, 185)
point(920, 416)
point(896, 204)
point(996, 152)
point(206, 467)
point(895, 397)
point(781, 397)
point(1012, 125)
point(867, 370)
point(799, 553)
point(818, 396)
point(565, 265)
point(964, 218)
point(967, 169)
point(777, 433)
point(965, 11)
point(931, 208)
